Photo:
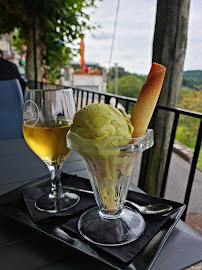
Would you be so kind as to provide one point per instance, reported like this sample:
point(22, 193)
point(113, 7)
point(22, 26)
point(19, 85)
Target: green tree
point(129, 86)
point(121, 72)
point(195, 74)
point(57, 24)
point(191, 82)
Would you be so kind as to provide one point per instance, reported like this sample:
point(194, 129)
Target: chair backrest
point(11, 109)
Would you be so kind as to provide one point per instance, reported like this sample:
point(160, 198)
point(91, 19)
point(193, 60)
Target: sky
point(132, 47)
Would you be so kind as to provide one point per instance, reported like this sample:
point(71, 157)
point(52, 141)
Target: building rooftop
point(89, 64)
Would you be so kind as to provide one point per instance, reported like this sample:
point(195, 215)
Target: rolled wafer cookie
point(147, 99)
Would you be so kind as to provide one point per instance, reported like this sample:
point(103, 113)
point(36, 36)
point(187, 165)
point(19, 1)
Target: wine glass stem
point(56, 185)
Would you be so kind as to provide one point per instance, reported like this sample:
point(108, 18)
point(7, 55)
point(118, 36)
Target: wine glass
point(110, 168)
point(47, 117)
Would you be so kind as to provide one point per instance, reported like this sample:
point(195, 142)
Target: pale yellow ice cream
point(99, 120)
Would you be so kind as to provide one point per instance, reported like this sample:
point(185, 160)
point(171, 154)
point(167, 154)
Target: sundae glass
point(110, 168)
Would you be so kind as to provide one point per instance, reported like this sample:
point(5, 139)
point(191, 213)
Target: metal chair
point(11, 109)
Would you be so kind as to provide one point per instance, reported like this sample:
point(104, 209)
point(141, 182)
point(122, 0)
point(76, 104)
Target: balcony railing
point(84, 97)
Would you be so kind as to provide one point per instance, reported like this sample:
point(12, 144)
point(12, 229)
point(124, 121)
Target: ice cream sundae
point(110, 141)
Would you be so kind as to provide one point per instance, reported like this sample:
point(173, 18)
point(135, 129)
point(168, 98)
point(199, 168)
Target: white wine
point(48, 140)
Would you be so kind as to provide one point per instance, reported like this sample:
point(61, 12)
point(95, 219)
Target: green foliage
point(191, 82)
point(129, 86)
point(52, 75)
point(188, 126)
point(195, 74)
point(121, 72)
point(17, 40)
point(185, 90)
point(192, 79)
point(61, 23)
point(190, 99)
point(8, 22)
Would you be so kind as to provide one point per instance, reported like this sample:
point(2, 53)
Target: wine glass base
point(115, 230)
point(47, 203)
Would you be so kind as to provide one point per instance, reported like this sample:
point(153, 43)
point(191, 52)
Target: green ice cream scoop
point(96, 121)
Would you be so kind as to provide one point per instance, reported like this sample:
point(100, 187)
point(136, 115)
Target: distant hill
point(195, 74)
point(192, 78)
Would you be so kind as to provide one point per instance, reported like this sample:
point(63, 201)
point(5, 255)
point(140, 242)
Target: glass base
point(50, 204)
point(111, 230)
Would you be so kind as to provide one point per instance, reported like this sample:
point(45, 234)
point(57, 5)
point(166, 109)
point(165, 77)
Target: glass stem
point(56, 185)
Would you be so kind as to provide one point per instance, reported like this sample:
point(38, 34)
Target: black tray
point(12, 204)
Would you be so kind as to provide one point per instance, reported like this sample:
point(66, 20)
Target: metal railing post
point(193, 169)
point(172, 139)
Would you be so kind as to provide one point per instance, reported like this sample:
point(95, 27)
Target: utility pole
point(116, 78)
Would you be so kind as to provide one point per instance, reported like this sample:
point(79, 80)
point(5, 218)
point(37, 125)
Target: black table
point(25, 249)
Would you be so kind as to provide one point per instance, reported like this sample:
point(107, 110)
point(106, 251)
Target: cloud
point(134, 35)
point(102, 35)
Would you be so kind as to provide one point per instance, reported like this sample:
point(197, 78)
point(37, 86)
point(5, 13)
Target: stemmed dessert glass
point(47, 117)
point(110, 168)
